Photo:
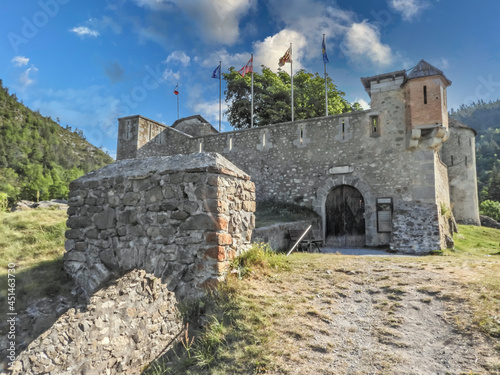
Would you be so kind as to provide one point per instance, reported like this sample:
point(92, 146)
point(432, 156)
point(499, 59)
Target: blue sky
point(90, 62)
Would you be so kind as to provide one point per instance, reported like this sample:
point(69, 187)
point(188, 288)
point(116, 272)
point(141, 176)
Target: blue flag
point(325, 57)
point(216, 73)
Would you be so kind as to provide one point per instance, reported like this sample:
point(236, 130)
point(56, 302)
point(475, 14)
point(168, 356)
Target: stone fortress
point(162, 224)
point(398, 174)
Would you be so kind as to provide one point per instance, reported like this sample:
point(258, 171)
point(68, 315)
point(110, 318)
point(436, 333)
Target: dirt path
point(373, 316)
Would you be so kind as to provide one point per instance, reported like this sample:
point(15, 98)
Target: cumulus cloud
point(363, 103)
point(362, 44)
point(179, 56)
point(84, 31)
point(228, 59)
point(20, 61)
point(209, 110)
point(408, 8)
point(217, 20)
point(270, 50)
point(25, 78)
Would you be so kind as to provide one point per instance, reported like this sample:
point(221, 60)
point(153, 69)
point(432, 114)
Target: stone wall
point(124, 327)
point(293, 162)
point(181, 218)
point(443, 199)
point(421, 222)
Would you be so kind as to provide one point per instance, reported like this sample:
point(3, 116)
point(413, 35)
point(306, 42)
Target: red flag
point(248, 68)
point(286, 58)
point(175, 90)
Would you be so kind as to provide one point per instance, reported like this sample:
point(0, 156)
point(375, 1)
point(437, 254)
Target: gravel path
point(372, 316)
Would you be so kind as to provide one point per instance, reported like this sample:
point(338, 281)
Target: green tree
point(272, 97)
point(490, 208)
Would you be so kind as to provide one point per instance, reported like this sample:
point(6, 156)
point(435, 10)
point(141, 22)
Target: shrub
point(4, 202)
point(490, 208)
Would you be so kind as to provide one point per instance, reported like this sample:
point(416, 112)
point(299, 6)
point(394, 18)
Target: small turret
point(426, 106)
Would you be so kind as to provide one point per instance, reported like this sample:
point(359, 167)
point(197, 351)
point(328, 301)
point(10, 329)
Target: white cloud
point(363, 103)
point(25, 78)
point(20, 61)
point(270, 50)
point(178, 56)
point(236, 60)
point(170, 76)
point(408, 8)
point(217, 20)
point(362, 44)
point(84, 31)
point(210, 110)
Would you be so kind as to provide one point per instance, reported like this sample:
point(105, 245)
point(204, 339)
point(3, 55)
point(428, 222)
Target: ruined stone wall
point(124, 327)
point(181, 218)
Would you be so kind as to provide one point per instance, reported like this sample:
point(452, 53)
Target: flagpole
point(220, 95)
point(177, 102)
point(326, 84)
point(291, 74)
point(251, 111)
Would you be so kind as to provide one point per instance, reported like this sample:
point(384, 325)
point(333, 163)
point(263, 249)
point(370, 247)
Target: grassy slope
point(34, 242)
point(243, 315)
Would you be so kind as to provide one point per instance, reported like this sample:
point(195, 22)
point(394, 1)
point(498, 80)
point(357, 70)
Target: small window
point(343, 129)
point(230, 142)
point(375, 126)
point(301, 134)
point(451, 159)
point(425, 94)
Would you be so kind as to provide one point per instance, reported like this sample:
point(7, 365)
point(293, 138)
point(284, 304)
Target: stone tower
point(459, 154)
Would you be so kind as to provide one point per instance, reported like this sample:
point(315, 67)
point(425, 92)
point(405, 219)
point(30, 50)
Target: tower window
point(301, 134)
point(425, 94)
point(343, 129)
point(451, 159)
point(375, 126)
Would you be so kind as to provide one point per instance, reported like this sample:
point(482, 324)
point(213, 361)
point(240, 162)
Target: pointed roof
point(424, 69)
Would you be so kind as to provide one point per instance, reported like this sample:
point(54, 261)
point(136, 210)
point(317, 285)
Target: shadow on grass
point(43, 293)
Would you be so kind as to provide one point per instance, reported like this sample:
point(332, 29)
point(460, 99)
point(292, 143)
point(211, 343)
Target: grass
point(272, 304)
point(34, 241)
point(269, 213)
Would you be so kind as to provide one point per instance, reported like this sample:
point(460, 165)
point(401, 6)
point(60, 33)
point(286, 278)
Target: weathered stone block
point(78, 222)
point(105, 219)
point(154, 195)
point(204, 221)
point(131, 198)
point(74, 234)
point(216, 252)
point(249, 206)
point(219, 238)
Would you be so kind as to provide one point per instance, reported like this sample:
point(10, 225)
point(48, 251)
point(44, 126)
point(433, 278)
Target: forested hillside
point(38, 158)
point(485, 118)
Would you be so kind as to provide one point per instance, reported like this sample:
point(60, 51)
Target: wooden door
point(345, 217)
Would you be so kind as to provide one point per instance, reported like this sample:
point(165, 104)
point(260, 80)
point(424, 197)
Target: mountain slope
point(485, 119)
point(38, 158)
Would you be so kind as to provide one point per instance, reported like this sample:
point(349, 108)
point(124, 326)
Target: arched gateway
point(345, 217)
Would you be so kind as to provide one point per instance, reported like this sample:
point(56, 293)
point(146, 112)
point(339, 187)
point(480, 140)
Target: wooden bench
point(310, 242)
